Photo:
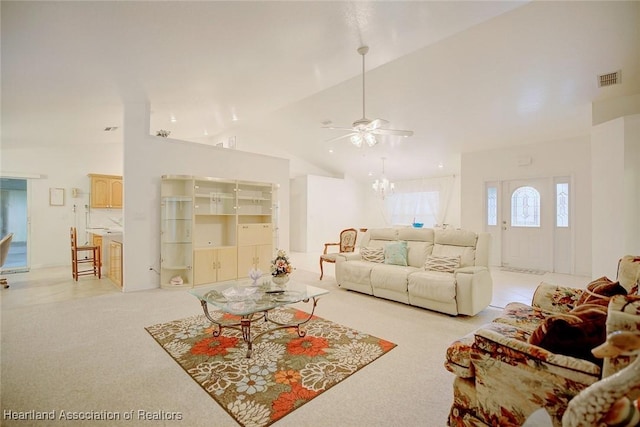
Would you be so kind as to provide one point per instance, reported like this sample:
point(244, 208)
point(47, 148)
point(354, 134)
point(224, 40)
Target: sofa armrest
point(497, 340)
point(349, 256)
point(623, 314)
point(555, 298)
point(469, 270)
point(474, 289)
point(535, 378)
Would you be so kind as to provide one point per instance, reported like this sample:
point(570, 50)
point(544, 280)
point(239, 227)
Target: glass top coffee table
point(253, 303)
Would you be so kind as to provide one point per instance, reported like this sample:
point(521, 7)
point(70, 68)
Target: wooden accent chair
point(347, 244)
point(5, 243)
point(81, 255)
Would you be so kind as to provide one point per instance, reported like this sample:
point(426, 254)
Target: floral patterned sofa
point(501, 378)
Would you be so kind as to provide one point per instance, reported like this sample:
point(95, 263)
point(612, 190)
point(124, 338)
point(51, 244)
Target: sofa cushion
point(372, 254)
point(416, 234)
point(446, 264)
point(600, 292)
point(574, 333)
point(358, 272)
point(467, 254)
point(396, 253)
point(629, 273)
point(523, 316)
point(417, 252)
point(383, 234)
point(453, 237)
point(433, 285)
point(391, 277)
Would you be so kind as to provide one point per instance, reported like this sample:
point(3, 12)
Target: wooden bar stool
point(81, 255)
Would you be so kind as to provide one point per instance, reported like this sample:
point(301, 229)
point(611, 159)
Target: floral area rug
point(285, 371)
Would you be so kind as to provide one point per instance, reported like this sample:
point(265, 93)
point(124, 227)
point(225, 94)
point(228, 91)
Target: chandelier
point(382, 186)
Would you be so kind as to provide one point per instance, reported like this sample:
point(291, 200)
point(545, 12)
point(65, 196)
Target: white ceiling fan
point(364, 131)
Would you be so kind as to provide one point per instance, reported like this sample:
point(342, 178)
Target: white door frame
point(562, 243)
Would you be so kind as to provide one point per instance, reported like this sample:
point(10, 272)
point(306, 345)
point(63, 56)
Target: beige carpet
point(93, 355)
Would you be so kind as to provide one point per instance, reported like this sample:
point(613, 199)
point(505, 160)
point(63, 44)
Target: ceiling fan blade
point(396, 132)
point(337, 128)
point(376, 124)
point(343, 136)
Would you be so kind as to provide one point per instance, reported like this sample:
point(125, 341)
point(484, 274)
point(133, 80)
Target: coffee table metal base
point(244, 325)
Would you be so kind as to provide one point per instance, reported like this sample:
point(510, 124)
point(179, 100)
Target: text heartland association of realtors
point(134, 414)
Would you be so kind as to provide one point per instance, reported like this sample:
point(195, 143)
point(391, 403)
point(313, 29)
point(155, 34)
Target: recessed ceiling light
point(440, 165)
point(234, 117)
point(173, 119)
point(330, 150)
point(206, 133)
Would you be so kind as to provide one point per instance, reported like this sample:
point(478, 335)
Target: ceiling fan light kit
point(365, 130)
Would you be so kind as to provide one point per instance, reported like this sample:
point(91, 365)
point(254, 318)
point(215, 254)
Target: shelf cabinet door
point(227, 263)
point(204, 266)
point(214, 265)
point(254, 257)
point(254, 234)
point(264, 253)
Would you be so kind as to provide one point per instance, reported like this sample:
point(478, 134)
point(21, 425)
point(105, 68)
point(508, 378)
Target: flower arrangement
point(281, 266)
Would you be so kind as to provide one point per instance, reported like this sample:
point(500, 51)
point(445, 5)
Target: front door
point(527, 224)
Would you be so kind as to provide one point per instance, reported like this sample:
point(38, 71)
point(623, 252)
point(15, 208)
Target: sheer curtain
point(425, 200)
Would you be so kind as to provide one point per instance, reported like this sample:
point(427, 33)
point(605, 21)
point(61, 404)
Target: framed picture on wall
point(56, 197)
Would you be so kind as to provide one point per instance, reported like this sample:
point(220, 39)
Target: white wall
point(615, 148)
point(324, 206)
point(147, 158)
point(298, 221)
point(65, 166)
point(567, 157)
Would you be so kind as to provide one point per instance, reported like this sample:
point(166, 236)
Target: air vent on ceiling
point(610, 79)
point(110, 128)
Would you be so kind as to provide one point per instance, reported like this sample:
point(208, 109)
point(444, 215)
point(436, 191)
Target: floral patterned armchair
point(501, 378)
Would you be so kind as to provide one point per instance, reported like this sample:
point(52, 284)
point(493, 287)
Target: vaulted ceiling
point(464, 76)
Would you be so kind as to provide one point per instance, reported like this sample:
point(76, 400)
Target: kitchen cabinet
point(106, 191)
point(115, 262)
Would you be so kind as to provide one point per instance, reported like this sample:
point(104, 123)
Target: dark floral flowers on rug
point(214, 346)
point(289, 400)
point(309, 346)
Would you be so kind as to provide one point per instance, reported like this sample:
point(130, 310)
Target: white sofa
point(466, 290)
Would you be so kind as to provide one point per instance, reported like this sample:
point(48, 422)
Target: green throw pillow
point(396, 253)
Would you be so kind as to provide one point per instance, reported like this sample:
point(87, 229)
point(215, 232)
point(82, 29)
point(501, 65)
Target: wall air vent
point(610, 79)
point(110, 128)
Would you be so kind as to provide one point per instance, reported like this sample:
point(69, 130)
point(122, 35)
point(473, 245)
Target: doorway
point(14, 219)
point(529, 220)
point(527, 233)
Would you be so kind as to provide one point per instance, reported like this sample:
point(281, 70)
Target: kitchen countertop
point(105, 231)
